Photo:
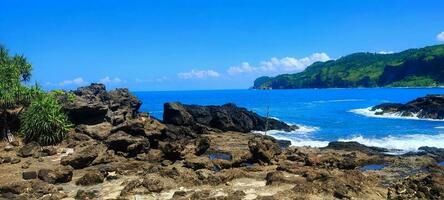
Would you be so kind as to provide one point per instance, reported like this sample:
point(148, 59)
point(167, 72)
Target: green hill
point(410, 68)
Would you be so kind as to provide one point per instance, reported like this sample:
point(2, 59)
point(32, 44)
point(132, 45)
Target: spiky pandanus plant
point(14, 71)
point(44, 121)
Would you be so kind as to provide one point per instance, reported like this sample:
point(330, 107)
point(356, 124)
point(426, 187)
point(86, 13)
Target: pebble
point(27, 175)
point(15, 160)
point(9, 148)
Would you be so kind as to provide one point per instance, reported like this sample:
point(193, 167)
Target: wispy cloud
point(440, 37)
point(76, 81)
point(158, 80)
point(386, 52)
point(279, 65)
point(108, 80)
point(198, 74)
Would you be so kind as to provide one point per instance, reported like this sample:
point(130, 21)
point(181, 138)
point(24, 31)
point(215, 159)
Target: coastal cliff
point(422, 67)
point(115, 151)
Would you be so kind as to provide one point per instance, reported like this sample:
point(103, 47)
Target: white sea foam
point(396, 144)
point(372, 113)
point(439, 127)
point(405, 143)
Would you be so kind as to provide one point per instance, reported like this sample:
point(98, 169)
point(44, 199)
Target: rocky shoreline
point(428, 107)
point(202, 152)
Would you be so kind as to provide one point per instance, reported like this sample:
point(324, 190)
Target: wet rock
point(29, 149)
point(284, 143)
point(430, 107)
point(62, 174)
point(127, 143)
point(263, 149)
point(355, 146)
point(81, 159)
point(91, 178)
point(27, 175)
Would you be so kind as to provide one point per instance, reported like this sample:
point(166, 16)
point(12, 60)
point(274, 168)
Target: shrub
point(44, 121)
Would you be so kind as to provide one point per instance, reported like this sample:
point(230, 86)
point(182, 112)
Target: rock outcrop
point(227, 117)
point(355, 146)
point(428, 107)
point(99, 105)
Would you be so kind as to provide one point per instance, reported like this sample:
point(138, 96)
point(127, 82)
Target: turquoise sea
point(323, 114)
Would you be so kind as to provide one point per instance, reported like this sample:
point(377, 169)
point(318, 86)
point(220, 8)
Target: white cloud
point(198, 74)
point(107, 79)
point(76, 81)
point(385, 52)
point(278, 65)
point(243, 68)
point(440, 37)
point(158, 80)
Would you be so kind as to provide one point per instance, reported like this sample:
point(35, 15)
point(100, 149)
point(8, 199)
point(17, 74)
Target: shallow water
point(373, 167)
point(323, 114)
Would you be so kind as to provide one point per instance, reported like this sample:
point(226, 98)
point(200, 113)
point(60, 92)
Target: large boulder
point(96, 131)
point(126, 143)
point(91, 178)
point(175, 113)
point(62, 174)
point(82, 158)
point(227, 117)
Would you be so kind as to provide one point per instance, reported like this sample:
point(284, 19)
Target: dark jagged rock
point(429, 107)
point(227, 117)
point(91, 178)
point(263, 149)
point(62, 174)
point(436, 153)
point(99, 105)
point(418, 187)
point(355, 146)
point(127, 143)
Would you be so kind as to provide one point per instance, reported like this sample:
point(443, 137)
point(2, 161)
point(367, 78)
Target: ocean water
point(324, 115)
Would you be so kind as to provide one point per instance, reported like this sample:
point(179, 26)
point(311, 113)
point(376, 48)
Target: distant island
point(423, 67)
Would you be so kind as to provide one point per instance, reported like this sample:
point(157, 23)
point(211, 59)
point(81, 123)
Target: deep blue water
point(324, 114)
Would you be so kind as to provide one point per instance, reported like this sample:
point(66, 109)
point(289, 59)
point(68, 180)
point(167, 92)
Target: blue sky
point(188, 45)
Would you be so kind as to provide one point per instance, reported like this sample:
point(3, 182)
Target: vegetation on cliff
point(410, 68)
